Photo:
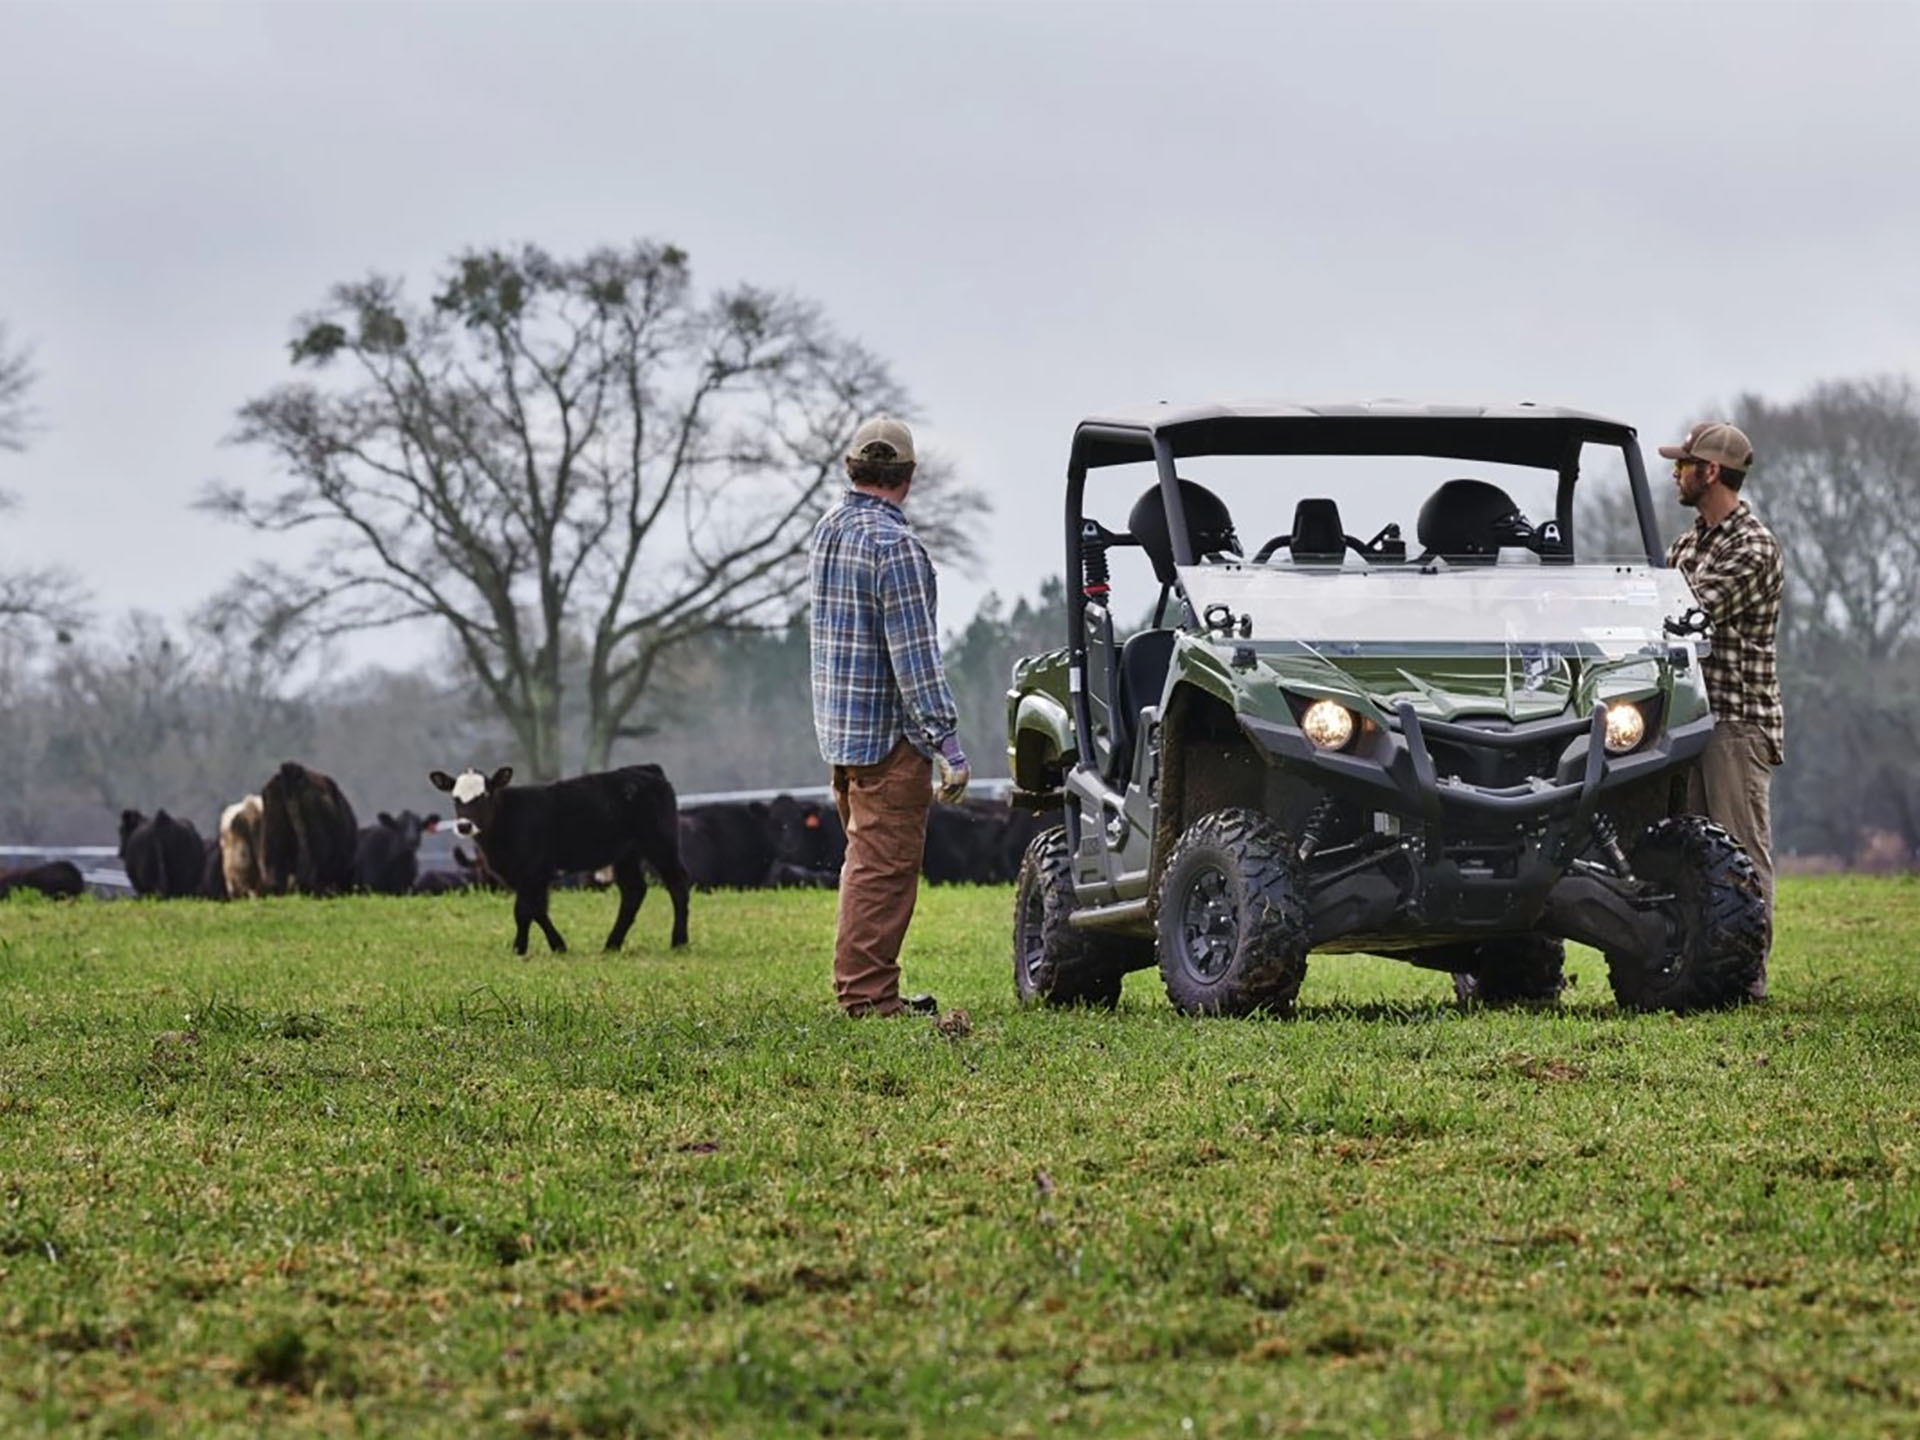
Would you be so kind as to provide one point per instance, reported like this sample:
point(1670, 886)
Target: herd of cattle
point(300, 834)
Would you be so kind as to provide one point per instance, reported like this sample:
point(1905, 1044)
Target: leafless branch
point(501, 460)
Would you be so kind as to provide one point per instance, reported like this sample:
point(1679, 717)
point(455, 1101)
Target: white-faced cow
point(626, 818)
point(242, 826)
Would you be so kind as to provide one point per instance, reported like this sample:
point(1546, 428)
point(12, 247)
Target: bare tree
point(48, 594)
point(16, 384)
point(1838, 479)
point(1605, 524)
point(154, 715)
point(562, 452)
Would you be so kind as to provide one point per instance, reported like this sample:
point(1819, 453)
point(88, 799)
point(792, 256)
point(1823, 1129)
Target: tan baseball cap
point(882, 430)
point(1714, 440)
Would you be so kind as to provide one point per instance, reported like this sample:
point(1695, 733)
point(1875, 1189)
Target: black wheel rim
point(1679, 909)
point(1209, 925)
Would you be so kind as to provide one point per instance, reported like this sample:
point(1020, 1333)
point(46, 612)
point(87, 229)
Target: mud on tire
point(1053, 963)
point(1510, 970)
point(1232, 919)
point(1717, 921)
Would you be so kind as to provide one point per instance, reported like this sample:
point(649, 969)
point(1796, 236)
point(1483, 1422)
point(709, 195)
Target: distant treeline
point(148, 715)
point(152, 715)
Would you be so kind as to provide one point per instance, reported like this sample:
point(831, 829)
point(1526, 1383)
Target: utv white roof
point(1163, 414)
point(1521, 433)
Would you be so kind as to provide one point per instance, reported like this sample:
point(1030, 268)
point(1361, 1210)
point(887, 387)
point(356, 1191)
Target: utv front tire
point(1512, 970)
point(1232, 921)
point(1053, 963)
point(1716, 914)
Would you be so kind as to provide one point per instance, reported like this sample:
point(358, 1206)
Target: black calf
point(624, 818)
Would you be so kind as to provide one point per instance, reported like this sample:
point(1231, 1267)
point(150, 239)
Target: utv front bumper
point(1395, 769)
point(1477, 858)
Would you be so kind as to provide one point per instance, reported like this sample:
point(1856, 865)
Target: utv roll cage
point(1538, 436)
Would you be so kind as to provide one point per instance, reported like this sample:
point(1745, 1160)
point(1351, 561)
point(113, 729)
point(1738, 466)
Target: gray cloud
point(1035, 211)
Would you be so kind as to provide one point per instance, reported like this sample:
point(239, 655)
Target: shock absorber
point(1095, 580)
point(1313, 833)
point(1608, 836)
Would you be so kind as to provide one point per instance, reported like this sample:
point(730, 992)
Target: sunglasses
point(1680, 467)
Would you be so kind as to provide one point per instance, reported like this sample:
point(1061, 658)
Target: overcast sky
point(1033, 211)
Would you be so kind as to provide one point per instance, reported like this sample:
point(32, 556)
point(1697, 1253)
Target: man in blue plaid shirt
point(882, 710)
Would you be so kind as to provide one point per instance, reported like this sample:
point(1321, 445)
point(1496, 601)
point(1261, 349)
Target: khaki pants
point(1732, 788)
point(883, 808)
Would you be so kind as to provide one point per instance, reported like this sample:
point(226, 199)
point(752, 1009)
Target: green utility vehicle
point(1459, 753)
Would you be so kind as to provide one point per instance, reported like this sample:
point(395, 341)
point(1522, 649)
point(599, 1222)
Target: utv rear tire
point(1053, 963)
point(1513, 970)
point(1717, 920)
point(1232, 920)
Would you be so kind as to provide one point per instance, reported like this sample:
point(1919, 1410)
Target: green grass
point(351, 1167)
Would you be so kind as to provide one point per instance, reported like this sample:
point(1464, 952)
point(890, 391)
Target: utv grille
point(1488, 766)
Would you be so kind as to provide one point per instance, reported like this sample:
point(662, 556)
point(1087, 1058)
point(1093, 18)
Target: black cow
point(467, 874)
point(963, 846)
point(727, 844)
point(625, 818)
point(213, 874)
point(162, 856)
point(809, 842)
point(441, 882)
point(308, 833)
point(387, 857)
point(1012, 830)
point(57, 880)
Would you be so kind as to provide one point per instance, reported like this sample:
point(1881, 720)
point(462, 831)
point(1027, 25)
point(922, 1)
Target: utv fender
point(1206, 763)
point(1042, 739)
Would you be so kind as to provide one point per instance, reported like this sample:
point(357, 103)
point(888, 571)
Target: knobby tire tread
point(1270, 959)
point(1077, 967)
point(1725, 945)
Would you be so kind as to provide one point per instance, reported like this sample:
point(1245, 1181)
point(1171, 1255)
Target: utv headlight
point(1328, 724)
point(1626, 726)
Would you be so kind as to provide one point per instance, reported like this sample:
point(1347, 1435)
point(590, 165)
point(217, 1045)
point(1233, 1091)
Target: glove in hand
point(951, 761)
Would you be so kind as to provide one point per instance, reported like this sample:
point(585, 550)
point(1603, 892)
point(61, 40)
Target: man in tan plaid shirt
point(1733, 564)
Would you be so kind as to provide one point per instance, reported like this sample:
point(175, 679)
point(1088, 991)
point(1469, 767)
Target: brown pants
point(1732, 787)
point(883, 809)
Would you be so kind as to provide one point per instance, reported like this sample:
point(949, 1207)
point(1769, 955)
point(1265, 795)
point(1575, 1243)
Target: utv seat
point(1144, 661)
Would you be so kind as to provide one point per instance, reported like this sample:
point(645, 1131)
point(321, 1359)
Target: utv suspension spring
point(1095, 578)
point(1311, 834)
point(1608, 836)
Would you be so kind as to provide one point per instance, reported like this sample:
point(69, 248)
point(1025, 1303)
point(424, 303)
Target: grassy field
point(350, 1167)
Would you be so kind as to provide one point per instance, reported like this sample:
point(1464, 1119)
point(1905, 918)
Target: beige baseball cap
point(1714, 440)
point(882, 430)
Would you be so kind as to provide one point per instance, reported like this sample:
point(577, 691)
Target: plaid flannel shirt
point(1736, 574)
point(876, 652)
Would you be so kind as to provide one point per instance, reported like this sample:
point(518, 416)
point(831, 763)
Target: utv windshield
point(1593, 610)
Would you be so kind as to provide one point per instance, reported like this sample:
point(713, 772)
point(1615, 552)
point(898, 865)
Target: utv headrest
point(1209, 526)
point(1318, 536)
point(1469, 519)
